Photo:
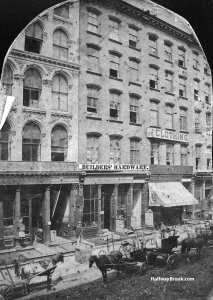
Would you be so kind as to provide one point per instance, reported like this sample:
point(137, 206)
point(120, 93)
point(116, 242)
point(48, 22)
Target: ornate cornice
point(33, 110)
point(152, 20)
point(44, 59)
point(18, 77)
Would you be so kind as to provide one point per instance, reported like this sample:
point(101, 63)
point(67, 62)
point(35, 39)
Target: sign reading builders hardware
point(167, 135)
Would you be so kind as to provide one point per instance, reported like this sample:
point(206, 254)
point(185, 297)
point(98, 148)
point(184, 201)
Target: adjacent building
point(118, 83)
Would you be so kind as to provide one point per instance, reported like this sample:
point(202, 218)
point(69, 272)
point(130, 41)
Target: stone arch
point(38, 68)
point(64, 125)
point(65, 30)
point(64, 73)
point(37, 122)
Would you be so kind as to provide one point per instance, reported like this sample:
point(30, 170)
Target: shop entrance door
point(106, 195)
point(122, 204)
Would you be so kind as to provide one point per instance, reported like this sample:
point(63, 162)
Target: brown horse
point(193, 242)
point(106, 262)
point(43, 268)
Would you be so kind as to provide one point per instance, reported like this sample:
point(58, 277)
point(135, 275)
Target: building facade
point(142, 97)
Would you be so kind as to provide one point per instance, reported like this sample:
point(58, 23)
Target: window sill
point(170, 129)
point(181, 97)
point(115, 121)
point(134, 48)
point(135, 124)
point(208, 74)
point(152, 126)
point(184, 131)
point(170, 62)
point(199, 131)
point(114, 41)
point(94, 73)
point(152, 89)
point(208, 103)
point(182, 67)
point(34, 109)
point(196, 69)
point(93, 118)
point(61, 113)
point(153, 55)
point(115, 78)
point(93, 33)
point(134, 83)
point(168, 93)
point(62, 19)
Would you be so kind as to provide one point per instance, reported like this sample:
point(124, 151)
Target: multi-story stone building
point(142, 97)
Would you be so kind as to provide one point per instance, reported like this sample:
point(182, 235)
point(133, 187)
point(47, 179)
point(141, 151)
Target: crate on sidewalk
point(82, 255)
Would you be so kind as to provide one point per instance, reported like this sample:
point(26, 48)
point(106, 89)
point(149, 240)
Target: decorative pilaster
point(99, 205)
point(144, 200)
point(17, 211)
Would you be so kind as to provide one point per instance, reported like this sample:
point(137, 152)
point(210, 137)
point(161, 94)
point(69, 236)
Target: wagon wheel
point(150, 257)
point(101, 252)
point(6, 291)
point(143, 268)
point(172, 261)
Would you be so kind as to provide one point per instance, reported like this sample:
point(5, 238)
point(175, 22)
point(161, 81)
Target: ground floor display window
point(90, 211)
point(170, 216)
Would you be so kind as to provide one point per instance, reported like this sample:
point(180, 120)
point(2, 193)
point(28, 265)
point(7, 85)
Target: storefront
point(35, 202)
point(113, 200)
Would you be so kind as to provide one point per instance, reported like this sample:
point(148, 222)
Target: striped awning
point(170, 194)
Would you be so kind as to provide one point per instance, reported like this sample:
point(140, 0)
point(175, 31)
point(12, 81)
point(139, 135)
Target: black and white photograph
point(106, 150)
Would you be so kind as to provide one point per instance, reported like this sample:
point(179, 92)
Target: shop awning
point(169, 194)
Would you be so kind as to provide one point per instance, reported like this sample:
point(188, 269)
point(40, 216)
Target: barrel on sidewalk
point(82, 254)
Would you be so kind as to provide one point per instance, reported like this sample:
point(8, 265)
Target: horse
point(193, 242)
point(106, 262)
point(33, 269)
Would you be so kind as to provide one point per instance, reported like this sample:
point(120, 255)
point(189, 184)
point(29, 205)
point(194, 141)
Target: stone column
point(17, 211)
point(192, 189)
point(1, 218)
point(162, 154)
point(144, 200)
point(177, 154)
point(99, 205)
point(46, 216)
point(30, 217)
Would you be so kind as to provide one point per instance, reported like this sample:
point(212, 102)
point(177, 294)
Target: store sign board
point(108, 180)
point(79, 200)
point(158, 133)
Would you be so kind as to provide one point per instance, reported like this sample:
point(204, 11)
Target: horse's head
point(92, 260)
point(59, 257)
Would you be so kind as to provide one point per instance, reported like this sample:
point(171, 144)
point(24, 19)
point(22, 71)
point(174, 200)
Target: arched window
point(33, 38)
point(60, 93)
point(31, 142)
point(62, 11)
point(59, 144)
point(5, 142)
point(60, 45)
point(8, 79)
point(32, 88)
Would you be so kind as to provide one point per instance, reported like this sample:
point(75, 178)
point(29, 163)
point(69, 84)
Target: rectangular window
point(115, 151)
point(154, 153)
point(114, 105)
point(181, 58)
point(90, 209)
point(92, 22)
point(183, 119)
point(168, 52)
point(208, 119)
point(92, 59)
point(92, 101)
point(169, 117)
point(114, 66)
point(152, 45)
point(31, 97)
point(153, 81)
point(169, 85)
point(114, 29)
point(195, 61)
point(182, 87)
point(183, 155)
point(133, 68)
point(134, 152)
point(196, 89)
point(206, 68)
point(133, 37)
point(153, 114)
point(169, 154)
point(209, 158)
point(207, 93)
point(134, 109)
point(198, 156)
point(92, 150)
point(197, 121)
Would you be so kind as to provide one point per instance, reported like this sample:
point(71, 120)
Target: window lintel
point(154, 100)
point(168, 43)
point(115, 136)
point(169, 72)
point(115, 53)
point(135, 95)
point(94, 10)
point(183, 107)
point(93, 85)
point(136, 138)
point(169, 104)
point(154, 66)
point(135, 59)
point(135, 27)
point(154, 35)
point(116, 91)
point(114, 18)
point(95, 46)
point(95, 134)
point(182, 48)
